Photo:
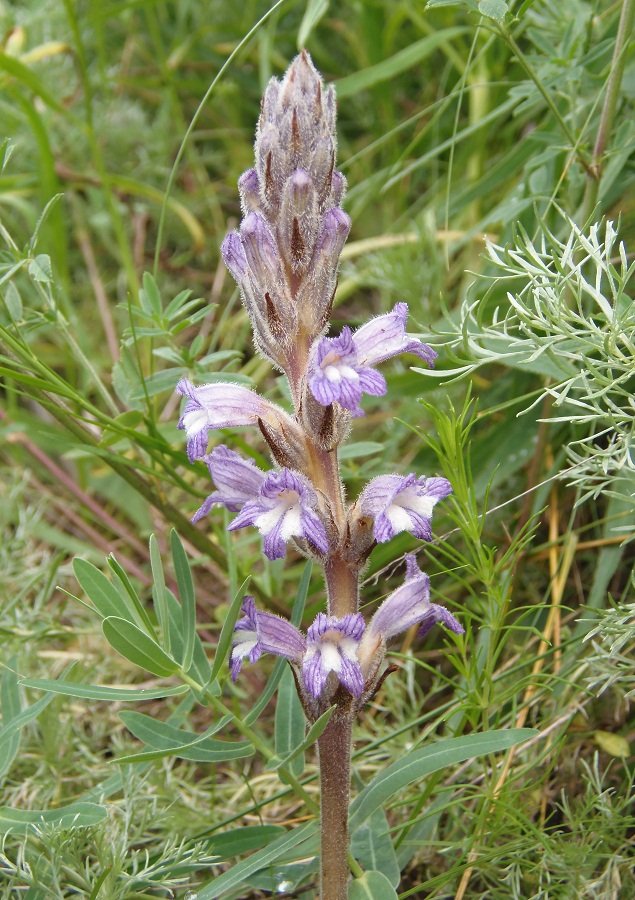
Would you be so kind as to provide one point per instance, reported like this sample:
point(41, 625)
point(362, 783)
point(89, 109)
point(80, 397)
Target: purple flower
point(284, 508)
point(221, 405)
point(402, 503)
point(342, 368)
point(332, 647)
point(280, 504)
point(260, 632)
point(238, 480)
point(408, 605)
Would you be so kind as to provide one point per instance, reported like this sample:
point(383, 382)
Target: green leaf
point(76, 815)
point(227, 631)
point(25, 75)
point(245, 839)
point(313, 734)
point(237, 875)
point(493, 9)
point(200, 670)
point(100, 591)
point(136, 611)
point(102, 691)
point(170, 741)
point(40, 268)
point(149, 295)
point(186, 595)
point(135, 645)
point(372, 886)
point(10, 729)
point(423, 762)
point(290, 724)
point(394, 65)
point(372, 846)
point(314, 11)
point(11, 708)
point(361, 448)
point(13, 301)
point(159, 592)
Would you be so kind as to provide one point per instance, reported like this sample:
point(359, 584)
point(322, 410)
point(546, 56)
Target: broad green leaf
point(11, 708)
point(186, 596)
point(136, 646)
point(394, 65)
point(171, 741)
point(361, 448)
point(493, 9)
point(313, 734)
point(13, 301)
point(423, 762)
point(76, 815)
point(100, 591)
point(227, 631)
point(372, 886)
point(159, 592)
point(40, 268)
point(290, 723)
point(314, 11)
point(372, 846)
point(238, 873)
point(101, 691)
point(245, 839)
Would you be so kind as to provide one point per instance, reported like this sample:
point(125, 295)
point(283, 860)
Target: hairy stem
point(334, 748)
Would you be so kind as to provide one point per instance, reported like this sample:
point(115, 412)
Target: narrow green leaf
point(372, 886)
point(101, 691)
point(76, 815)
point(160, 598)
point(245, 839)
point(14, 67)
point(100, 591)
point(138, 647)
point(313, 734)
point(10, 729)
point(361, 448)
point(136, 612)
point(423, 762)
point(237, 874)
point(372, 846)
point(186, 595)
point(394, 65)
point(166, 740)
point(200, 670)
point(11, 708)
point(227, 631)
point(314, 11)
point(150, 296)
point(290, 724)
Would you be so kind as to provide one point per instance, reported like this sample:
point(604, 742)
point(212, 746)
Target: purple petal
point(238, 480)
point(372, 382)
point(279, 636)
point(314, 531)
point(233, 254)
point(351, 677)
point(324, 391)
point(314, 675)
point(385, 336)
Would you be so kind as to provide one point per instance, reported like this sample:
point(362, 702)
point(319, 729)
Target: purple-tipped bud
point(233, 253)
point(333, 233)
point(338, 188)
point(249, 187)
point(300, 189)
point(260, 247)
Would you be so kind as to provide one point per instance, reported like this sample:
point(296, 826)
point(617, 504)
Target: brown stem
point(334, 748)
point(342, 586)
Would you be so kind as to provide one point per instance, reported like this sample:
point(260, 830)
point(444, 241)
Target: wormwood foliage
point(456, 119)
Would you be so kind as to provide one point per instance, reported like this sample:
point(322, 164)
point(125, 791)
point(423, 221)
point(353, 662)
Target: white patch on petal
point(349, 373)
point(332, 374)
point(244, 645)
point(348, 647)
point(398, 518)
point(331, 659)
point(195, 421)
point(292, 523)
point(411, 500)
point(266, 521)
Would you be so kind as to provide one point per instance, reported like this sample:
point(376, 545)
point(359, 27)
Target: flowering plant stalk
point(284, 258)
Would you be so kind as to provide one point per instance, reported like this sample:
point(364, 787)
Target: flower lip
point(402, 503)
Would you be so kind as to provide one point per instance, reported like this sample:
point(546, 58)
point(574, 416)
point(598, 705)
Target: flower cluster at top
point(284, 259)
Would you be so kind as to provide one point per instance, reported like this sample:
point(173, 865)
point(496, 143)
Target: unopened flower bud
point(260, 247)
point(249, 187)
point(233, 254)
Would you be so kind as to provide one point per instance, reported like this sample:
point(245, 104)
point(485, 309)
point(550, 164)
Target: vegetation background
point(456, 120)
